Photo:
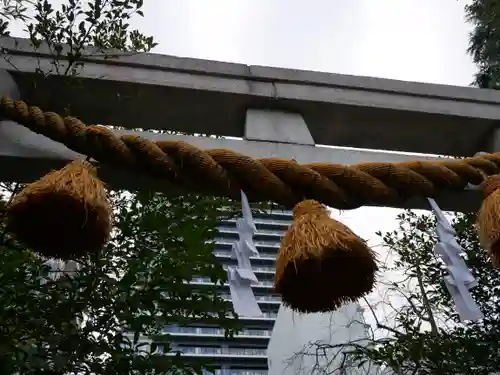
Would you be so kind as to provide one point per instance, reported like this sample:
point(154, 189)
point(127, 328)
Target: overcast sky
point(417, 40)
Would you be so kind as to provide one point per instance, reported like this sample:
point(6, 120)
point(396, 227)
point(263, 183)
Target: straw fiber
point(266, 179)
point(64, 215)
point(488, 219)
point(322, 263)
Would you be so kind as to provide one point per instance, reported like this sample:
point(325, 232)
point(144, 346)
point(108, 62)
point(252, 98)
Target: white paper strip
point(241, 278)
point(244, 266)
point(466, 307)
point(460, 279)
point(246, 232)
point(242, 296)
point(247, 212)
point(456, 265)
point(59, 268)
point(444, 230)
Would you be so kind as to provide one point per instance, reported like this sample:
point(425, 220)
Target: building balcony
point(275, 214)
point(263, 284)
point(263, 270)
point(264, 246)
point(267, 318)
point(273, 300)
point(270, 235)
point(220, 357)
point(217, 333)
point(255, 354)
point(262, 258)
point(263, 224)
point(237, 372)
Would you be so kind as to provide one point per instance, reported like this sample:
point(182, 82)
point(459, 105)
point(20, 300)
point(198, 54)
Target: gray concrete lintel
point(8, 85)
point(26, 156)
point(152, 61)
point(493, 142)
point(277, 126)
point(199, 96)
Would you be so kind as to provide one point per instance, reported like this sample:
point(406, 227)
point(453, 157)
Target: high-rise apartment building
point(246, 353)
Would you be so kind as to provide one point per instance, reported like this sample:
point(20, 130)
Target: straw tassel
point(322, 263)
point(63, 215)
point(488, 220)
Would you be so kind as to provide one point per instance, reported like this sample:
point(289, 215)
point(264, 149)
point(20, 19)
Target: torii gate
point(275, 112)
point(266, 113)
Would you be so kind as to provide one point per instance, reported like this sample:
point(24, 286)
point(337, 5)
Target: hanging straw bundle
point(488, 220)
point(322, 264)
point(63, 215)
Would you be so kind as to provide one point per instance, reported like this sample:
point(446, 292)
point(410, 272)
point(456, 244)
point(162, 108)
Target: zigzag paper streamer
point(459, 279)
point(242, 277)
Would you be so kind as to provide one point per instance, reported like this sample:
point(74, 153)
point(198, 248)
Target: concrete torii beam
point(275, 113)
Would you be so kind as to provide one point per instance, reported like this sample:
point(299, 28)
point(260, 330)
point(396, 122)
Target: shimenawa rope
point(317, 253)
point(268, 179)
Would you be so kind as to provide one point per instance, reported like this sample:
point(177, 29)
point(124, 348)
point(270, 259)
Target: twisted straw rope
point(225, 172)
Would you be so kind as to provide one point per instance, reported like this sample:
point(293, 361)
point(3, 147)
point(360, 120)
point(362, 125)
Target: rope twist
point(224, 172)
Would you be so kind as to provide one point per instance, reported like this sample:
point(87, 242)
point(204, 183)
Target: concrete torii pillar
point(325, 328)
point(8, 86)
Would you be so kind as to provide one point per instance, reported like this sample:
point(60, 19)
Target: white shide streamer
point(241, 278)
point(60, 268)
point(459, 279)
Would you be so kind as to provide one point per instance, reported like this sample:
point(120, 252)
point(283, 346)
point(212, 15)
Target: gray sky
point(416, 40)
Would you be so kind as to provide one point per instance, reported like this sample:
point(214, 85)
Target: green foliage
point(103, 24)
point(484, 41)
point(417, 329)
point(94, 321)
point(426, 336)
point(98, 23)
point(13, 10)
point(78, 30)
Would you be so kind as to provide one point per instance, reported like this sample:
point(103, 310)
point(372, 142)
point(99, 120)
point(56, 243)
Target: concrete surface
point(199, 96)
point(315, 347)
point(277, 126)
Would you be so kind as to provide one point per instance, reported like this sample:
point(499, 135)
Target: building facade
point(246, 353)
